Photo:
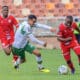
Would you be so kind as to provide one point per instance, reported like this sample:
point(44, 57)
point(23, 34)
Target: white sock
point(40, 66)
point(39, 61)
point(18, 60)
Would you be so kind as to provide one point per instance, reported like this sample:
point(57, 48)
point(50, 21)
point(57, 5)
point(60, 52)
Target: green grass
point(52, 59)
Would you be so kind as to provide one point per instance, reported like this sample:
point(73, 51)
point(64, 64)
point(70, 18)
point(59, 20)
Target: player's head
point(68, 21)
point(5, 10)
point(32, 19)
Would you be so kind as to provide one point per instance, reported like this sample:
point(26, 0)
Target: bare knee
point(7, 51)
point(36, 52)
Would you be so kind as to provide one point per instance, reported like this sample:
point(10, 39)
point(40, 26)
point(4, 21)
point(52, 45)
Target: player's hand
point(64, 39)
point(55, 35)
point(53, 30)
point(45, 44)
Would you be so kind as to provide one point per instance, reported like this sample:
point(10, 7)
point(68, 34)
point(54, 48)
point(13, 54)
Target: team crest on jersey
point(9, 21)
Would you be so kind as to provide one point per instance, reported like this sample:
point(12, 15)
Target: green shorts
point(21, 52)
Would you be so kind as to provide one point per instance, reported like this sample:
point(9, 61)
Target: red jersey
point(7, 25)
point(66, 32)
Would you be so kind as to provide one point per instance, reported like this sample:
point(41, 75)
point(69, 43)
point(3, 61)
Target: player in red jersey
point(7, 23)
point(68, 41)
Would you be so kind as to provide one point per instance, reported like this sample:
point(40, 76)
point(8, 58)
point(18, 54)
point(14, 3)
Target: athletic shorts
point(66, 49)
point(7, 41)
point(21, 52)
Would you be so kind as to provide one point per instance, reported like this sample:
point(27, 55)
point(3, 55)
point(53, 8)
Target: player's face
point(5, 11)
point(32, 22)
point(68, 22)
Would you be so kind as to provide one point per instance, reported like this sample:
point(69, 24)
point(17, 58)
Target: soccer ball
point(63, 70)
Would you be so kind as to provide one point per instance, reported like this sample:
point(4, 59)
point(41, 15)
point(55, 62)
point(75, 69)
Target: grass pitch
point(52, 59)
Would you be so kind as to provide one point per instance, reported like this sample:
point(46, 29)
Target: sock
point(79, 59)
point(16, 60)
point(15, 57)
point(39, 61)
point(70, 64)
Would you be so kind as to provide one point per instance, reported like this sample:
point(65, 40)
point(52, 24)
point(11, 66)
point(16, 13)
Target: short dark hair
point(76, 19)
point(70, 17)
point(5, 6)
point(32, 17)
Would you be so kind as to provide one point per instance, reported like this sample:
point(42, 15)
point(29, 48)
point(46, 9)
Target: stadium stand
point(42, 8)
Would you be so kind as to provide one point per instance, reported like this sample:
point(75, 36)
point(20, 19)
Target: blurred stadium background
point(43, 8)
point(50, 12)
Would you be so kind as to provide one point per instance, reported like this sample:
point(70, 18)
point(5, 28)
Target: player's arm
point(34, 39)
point(60, 36)
point(15, 22)
point(46, 27)
point(64, 39)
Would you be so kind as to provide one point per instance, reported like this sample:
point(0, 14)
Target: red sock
point(15, 57)
point(70, 64)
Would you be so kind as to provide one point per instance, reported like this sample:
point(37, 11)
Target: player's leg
point(6, 46)
point(31, 49)
point(18, 57)
point(7, 50)
point(18, 53)
point(38, 58)
point(67, 57)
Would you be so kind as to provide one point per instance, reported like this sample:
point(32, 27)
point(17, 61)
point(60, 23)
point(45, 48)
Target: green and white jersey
point(24, 33)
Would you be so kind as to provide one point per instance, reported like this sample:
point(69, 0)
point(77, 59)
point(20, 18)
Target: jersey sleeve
point(31, 36)
point(43, 26)
point(26, 28)
point(15, 22)
point(34, 39)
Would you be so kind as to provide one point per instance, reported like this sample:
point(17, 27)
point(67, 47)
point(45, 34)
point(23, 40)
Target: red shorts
point(6, 41)
point(66, 49)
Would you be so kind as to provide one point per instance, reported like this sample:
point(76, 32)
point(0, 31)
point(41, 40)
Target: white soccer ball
point(63, 69)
